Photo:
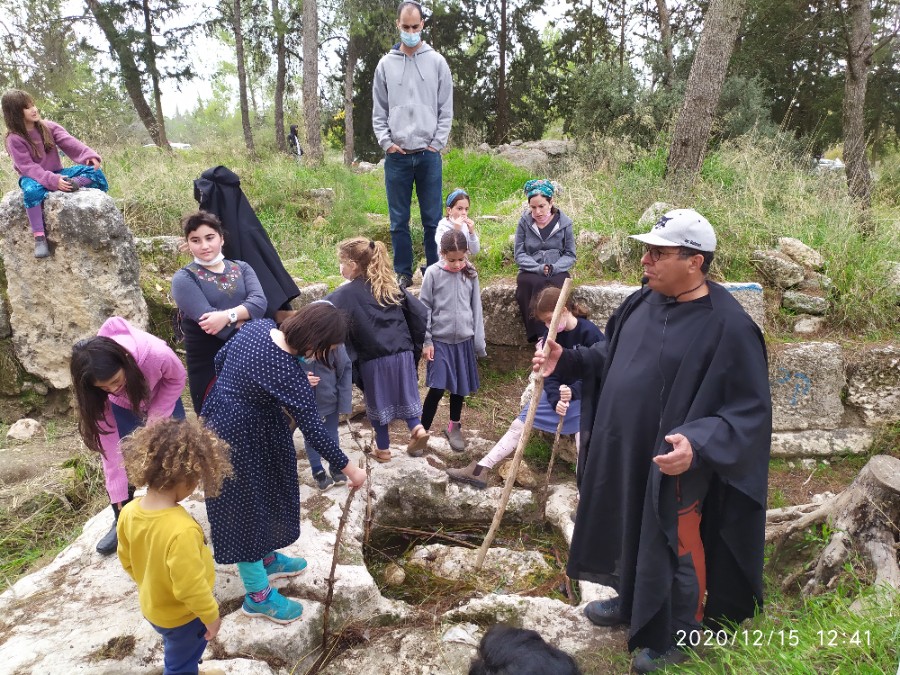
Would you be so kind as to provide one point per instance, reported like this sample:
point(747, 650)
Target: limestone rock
point(603, 300)
point(604, 249)
point(501, 565)
point(750, 295)
point(652, 214)
point(524, 476)
point(808, 325)
point(873, 385)
point(777, 268)
point(806, 380)
point(394, 575)
point(816, 283)
point(502, 319)
point(485, 148)
point(411, 651)
point(806, 303)
point(821, 442)
point(308, 294)
point(24, 430)
point(366, 167)
point(800, 253)
point(93, 274)
point(163, 244)
point(323, 196)
point(559, 624)
point(531, 159)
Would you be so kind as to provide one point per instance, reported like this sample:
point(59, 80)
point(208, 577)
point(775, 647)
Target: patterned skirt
point(391, 388)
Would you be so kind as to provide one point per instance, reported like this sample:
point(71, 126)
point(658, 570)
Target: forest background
point(613, 76)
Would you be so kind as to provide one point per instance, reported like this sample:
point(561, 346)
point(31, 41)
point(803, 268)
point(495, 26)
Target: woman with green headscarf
point(544, 250)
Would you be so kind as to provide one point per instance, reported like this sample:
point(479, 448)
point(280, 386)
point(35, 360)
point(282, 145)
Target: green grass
point(45, 523)
point(750, 189)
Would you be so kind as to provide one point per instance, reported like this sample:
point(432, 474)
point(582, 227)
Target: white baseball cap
point(681, 227)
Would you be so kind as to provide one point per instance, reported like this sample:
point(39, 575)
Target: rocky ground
point(379, 633)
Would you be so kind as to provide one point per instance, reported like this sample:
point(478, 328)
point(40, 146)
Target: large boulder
point(806, 380)
point(532, 159)
point(800, 253)
point(92, 274)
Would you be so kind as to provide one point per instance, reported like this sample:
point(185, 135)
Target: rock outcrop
point(91, 275)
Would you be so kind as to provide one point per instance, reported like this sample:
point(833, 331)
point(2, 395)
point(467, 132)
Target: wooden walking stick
point(526, 432)
point(545, 495)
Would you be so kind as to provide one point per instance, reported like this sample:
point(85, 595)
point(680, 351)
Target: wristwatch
point(232, 316)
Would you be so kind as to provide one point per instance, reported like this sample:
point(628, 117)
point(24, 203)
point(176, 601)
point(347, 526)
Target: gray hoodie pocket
point(412, 126)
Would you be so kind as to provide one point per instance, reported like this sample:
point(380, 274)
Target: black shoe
point(649, 661)
point(404, 281)
point(110, 541)
point(338, 477)
point(604, 612)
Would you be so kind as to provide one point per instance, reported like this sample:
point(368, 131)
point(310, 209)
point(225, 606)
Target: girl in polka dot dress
point(258, 510)
point(387, 332)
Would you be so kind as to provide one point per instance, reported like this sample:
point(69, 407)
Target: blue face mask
point(410, 39)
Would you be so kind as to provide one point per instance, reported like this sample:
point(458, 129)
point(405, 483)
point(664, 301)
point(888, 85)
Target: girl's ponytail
point(375, 265)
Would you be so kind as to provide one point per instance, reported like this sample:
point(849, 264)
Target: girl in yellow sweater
point(161, 546)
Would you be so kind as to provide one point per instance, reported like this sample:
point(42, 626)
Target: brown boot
point(474, 474)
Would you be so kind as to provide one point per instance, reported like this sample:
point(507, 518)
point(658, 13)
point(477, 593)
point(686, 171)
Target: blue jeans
point(400, 172)
point(183, 647)
point(331, 426)
point(127, 422)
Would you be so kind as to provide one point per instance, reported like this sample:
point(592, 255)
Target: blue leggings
point(34, 193)
point(183, 647)
point(254, 576)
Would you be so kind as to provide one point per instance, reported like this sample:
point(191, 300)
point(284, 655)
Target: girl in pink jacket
point(123, 378)
point(34, 145)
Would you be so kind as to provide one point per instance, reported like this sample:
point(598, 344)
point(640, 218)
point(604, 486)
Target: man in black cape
point(675, 437)
point(218, 190)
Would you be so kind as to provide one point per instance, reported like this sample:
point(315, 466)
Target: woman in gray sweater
point(214, 297)
point(544, 250)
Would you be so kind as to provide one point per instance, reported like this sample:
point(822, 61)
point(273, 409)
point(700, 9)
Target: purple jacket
point(44, 169)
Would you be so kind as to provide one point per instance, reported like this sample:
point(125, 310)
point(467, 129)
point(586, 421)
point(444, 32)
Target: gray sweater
point(533, 252)
point(412, 100)
point(454, 304)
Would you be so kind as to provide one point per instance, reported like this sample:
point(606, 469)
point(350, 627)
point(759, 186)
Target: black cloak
point(720, 400)
point(218, 190)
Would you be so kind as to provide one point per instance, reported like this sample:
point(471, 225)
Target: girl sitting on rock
point(34, 144)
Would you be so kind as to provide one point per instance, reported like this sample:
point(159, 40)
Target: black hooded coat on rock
point(218, 190)
point(696, 368)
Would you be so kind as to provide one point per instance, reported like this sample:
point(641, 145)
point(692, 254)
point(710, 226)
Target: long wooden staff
point(545, 495)
point(526, 432)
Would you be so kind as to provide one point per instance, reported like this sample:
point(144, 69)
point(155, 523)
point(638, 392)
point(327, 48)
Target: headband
point(453, 195)
point(540, 186)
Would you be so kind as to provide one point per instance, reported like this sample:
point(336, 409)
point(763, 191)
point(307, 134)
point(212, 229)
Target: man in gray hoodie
point(412, 110)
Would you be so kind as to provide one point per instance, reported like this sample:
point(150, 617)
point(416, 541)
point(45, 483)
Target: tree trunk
point(622, 38)
point(242, 77)
point(311, 116)
point(665, 35)
point(349, 70)
point(280, 76)
point(723, 19)
point(502, 129)
point(128, 71)
point(154, 74)
point(859, 59)
point(863, 517)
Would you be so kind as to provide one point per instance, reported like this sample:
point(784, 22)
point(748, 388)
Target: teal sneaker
point(283, 567)
point(275, 608)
